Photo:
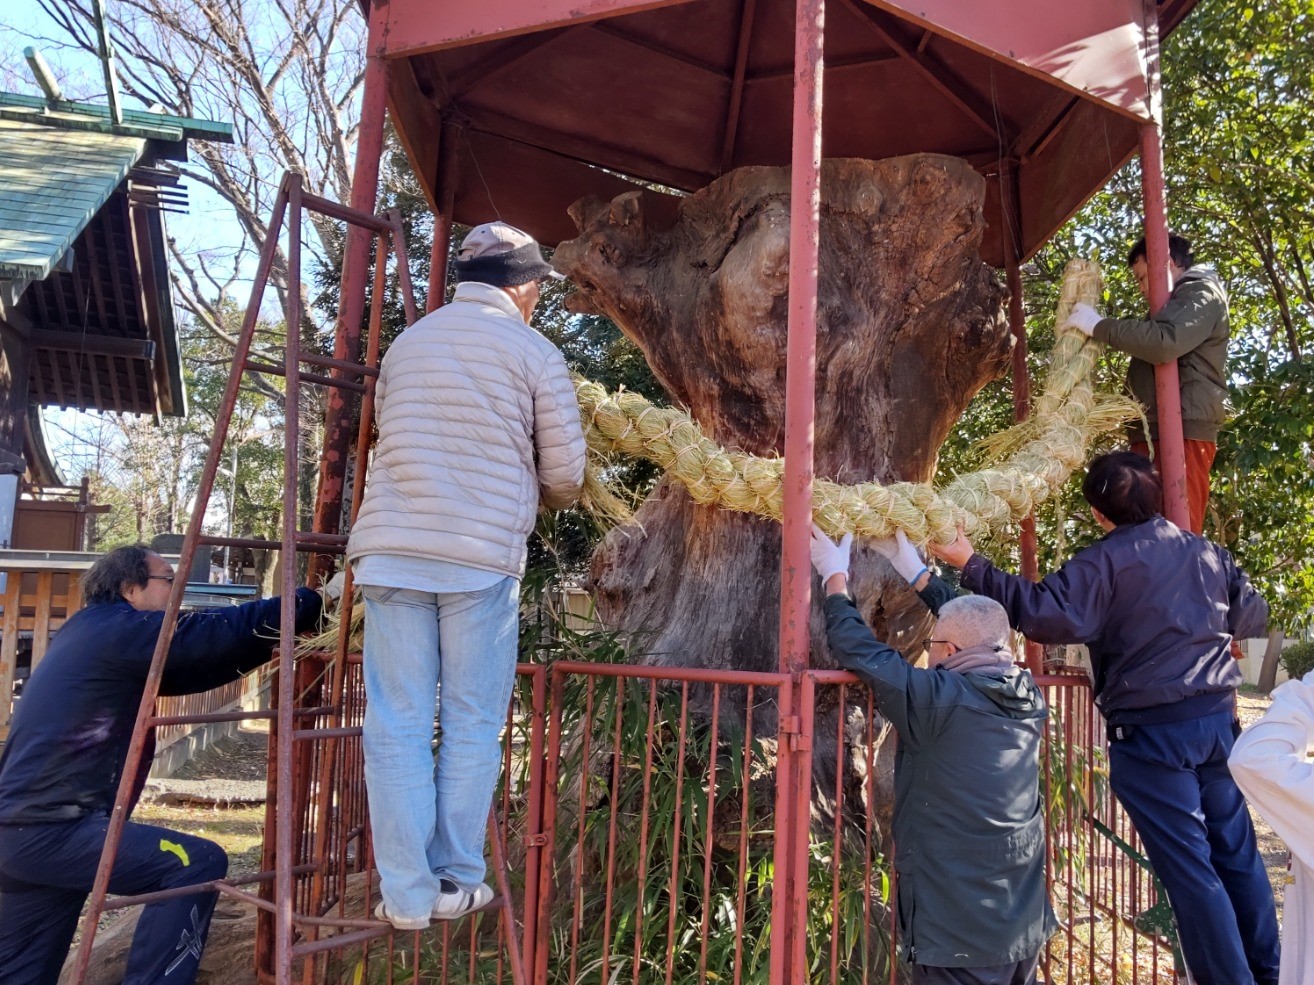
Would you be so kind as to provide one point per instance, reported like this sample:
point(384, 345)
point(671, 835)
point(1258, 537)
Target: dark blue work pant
point(1174, 783)
point(1018, 973)
point(46, 872)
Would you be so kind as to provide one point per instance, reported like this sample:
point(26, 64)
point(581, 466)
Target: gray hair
point(104, 580)
point(974, 620)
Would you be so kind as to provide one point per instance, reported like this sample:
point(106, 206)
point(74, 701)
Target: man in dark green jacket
point(969, 829)
point(1191, 328)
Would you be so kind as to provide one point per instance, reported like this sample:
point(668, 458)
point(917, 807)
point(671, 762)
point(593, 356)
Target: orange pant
point(1199, 459)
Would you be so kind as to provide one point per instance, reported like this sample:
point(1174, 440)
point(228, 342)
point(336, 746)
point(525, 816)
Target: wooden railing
point(42, 589)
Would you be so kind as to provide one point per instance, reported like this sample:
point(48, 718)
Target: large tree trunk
point(911, 324)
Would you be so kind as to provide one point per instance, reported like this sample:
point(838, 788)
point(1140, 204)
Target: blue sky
point(209, 222)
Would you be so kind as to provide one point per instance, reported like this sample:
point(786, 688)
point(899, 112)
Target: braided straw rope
point(1033, 460)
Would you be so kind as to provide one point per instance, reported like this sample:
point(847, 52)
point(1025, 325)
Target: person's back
point(459, 395)
point(1157, 606)
point(478, 424)
point(73, 724)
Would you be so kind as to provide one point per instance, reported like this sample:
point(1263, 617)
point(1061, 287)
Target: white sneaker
point(454, 902)
point(382, 912)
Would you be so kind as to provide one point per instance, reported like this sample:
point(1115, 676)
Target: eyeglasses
point(168, 578)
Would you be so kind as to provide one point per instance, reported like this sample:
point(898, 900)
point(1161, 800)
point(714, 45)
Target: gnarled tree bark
point(911, 324)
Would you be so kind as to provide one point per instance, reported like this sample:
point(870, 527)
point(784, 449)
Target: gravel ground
point(242, 756)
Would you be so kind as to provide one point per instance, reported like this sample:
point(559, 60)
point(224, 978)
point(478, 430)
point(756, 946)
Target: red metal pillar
point(338, 430)
point(801, 347)
point(442, 241)
point(794, 770)
point(1010, 211)
point(445, 195)
point(1170, 449)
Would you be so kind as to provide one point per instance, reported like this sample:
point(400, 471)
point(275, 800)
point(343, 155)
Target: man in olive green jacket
point(1191, 328)
point(969, 824)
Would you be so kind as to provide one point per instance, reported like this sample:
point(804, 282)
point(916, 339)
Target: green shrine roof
point(59, 164)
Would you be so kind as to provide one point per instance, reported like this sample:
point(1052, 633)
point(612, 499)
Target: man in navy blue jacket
point(1158, 608)
point(66, 752)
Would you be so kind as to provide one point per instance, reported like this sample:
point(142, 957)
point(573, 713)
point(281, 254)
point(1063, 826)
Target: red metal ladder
point(287, 718)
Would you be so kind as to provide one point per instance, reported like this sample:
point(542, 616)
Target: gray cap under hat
point(499, 254)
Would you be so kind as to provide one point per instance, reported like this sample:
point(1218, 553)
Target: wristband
point(914, 578)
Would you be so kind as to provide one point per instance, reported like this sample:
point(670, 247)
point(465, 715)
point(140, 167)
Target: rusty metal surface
point(338, 431)
point(679, 94)
point(1171, 451)
point(801, 341)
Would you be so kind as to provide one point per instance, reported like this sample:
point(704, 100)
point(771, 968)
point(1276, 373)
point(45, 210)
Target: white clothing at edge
point(1272, 766)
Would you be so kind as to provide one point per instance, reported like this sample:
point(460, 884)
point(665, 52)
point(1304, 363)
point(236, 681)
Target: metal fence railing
point(640, 812)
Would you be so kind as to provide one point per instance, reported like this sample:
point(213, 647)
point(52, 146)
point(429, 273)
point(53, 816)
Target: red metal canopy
point(543, 101)
point(515, 108)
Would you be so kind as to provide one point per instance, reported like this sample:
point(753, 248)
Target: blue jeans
point(46, 871)
point(430, 818)
point(1173, 781)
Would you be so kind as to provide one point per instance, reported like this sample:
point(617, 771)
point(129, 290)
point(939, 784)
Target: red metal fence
point(638, 810)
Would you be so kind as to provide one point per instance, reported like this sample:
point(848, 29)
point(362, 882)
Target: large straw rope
point(1032, 460)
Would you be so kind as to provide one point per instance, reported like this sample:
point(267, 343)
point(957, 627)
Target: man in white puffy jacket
point(1271, 764)
point(478, 423)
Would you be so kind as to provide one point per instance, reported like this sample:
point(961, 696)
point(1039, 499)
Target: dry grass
point(239, 831)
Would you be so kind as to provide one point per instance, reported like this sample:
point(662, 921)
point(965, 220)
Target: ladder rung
point(377, 929)
point(323, 539)
point(227, 886)
point(346, 213)
point(336, 545)
point(210, 717)
point(339, 941)
point(271, 370)
point(328, 362)
point(344, 732)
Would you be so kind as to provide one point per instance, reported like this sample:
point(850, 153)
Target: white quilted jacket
point(477, 419)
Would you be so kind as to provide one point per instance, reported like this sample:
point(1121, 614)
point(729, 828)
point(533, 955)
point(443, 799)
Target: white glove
point(333, 590)
point(901, 555)
point(828, 557)
point(1084, 318)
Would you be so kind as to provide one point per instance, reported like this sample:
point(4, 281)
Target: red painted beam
point(338, 431)
point(1170, 451)
point(801, 345)
point(415, 26)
